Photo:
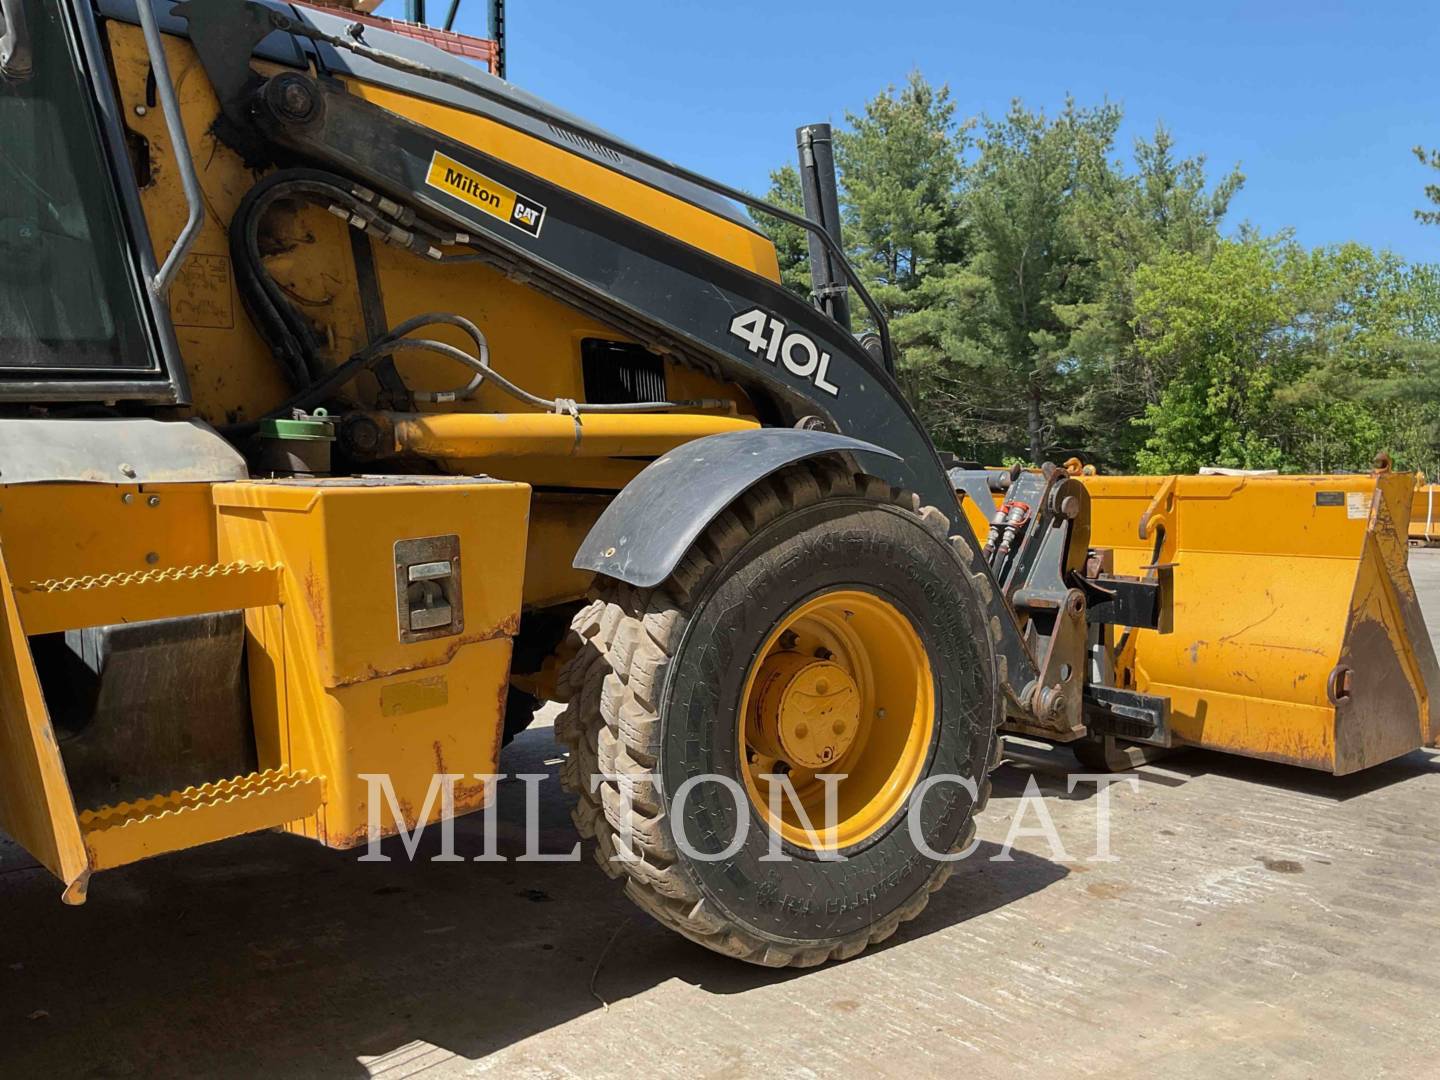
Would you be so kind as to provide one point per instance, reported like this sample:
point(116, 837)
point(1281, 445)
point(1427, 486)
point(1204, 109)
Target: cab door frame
point(162, 380)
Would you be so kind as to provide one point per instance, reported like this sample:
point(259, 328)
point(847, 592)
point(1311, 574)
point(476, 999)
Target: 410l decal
point(764, 335)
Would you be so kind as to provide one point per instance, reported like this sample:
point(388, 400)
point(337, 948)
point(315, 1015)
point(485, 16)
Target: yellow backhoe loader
point(353, 401)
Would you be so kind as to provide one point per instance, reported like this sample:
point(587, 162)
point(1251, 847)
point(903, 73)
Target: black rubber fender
point(651, 523)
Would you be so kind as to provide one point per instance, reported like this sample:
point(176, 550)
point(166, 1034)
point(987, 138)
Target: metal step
point(128, 832)
point(137, 596)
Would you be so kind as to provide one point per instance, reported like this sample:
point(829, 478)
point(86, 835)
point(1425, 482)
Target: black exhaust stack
point(822, 206)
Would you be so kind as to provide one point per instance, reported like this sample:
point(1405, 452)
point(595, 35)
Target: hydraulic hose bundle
point(293, 340)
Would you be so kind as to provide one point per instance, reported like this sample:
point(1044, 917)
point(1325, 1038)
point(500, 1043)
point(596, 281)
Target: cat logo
point(527, 216)
point(478, 190)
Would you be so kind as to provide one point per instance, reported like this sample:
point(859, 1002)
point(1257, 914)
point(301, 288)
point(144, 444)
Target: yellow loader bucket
point(1425, 515)
point(1296, 636)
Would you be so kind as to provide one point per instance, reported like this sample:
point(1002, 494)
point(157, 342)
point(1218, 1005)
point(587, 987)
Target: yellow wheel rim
point(841, 686)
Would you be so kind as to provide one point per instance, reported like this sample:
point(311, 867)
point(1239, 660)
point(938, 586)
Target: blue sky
point(1318, 102)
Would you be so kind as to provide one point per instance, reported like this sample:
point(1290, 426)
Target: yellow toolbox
point(390, 652)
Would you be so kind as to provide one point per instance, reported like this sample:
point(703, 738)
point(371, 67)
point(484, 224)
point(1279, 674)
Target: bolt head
point(295, 99)
point(292, 97)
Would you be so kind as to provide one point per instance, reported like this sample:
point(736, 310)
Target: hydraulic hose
point(395, 340)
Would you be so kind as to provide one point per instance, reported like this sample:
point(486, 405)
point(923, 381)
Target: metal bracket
point(1130, 601)
point(1036, 575)
point(1128, 714)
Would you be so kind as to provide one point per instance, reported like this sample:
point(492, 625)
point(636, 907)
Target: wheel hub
point(841, 687)
point(807, 710)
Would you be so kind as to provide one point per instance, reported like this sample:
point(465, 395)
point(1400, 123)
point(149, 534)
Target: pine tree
point(901, 169)
point(1432, 191)
point(1024, 202)
point(900, 165)
point(791, 243)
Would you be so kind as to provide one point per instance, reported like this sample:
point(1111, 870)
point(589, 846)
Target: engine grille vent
point(618, 373)
point(584, 141)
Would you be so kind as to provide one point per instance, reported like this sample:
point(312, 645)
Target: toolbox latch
point(427, 587)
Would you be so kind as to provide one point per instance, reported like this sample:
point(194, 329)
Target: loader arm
point(678, 298)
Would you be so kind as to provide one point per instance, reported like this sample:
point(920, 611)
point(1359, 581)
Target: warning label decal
point(1357, 504)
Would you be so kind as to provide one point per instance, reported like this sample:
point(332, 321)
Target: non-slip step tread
point(148, 577)
point(137, 595)
point(216, 791)
point(129, 831)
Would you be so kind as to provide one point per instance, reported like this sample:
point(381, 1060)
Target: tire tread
point(622, 645)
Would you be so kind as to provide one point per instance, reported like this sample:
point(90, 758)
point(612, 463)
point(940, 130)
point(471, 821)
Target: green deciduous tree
point(1214, 331)
point(1275, 356)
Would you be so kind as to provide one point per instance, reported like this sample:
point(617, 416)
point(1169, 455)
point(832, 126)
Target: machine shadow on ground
point(1052, 766)
point(1419, 763)
point(270, 955)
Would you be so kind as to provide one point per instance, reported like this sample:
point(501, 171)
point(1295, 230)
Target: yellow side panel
point(409, 727)
point(558, 523)
point(58, 531)
point(35, 804)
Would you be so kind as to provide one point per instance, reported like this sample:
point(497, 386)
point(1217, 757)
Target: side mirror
point(16, 62)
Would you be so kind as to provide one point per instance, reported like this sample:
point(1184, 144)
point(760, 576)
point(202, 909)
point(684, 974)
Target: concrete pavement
point(1258, 919)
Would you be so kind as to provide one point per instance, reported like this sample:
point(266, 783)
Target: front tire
point(815, 574)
